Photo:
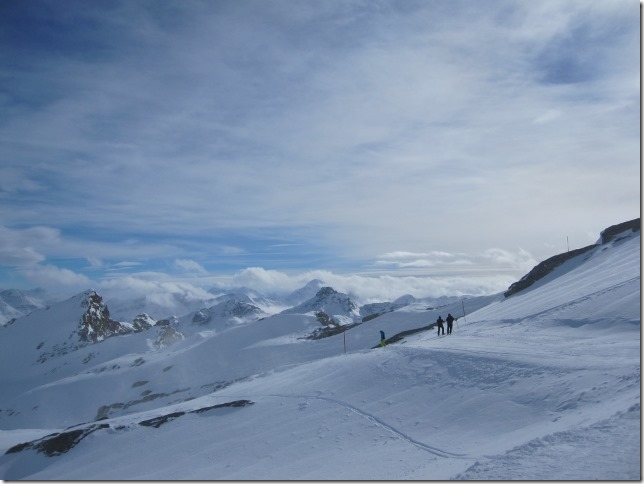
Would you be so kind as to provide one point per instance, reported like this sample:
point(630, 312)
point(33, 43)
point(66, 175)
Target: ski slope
point(542, 385)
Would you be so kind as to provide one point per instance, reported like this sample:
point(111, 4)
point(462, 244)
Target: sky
point(410, 146)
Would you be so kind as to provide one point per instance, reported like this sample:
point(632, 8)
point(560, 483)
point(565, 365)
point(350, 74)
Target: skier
point(440, 322)
point(450, 322)
point(382, 338)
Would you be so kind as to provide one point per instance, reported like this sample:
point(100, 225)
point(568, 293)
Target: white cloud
point(188, 265)
point(18, 256)
point(444, 262)
point(521, 260)
point(95, 263)
point(23, 246)
point(374, 127)
point(155, 287)
point(51, 276)
point(372, 287)
point(266, 280)
point(126, 264)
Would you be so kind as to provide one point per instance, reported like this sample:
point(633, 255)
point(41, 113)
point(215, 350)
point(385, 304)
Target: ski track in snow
point(377, 422)
point(582, 299)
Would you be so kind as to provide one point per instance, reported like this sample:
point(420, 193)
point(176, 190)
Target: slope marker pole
point(464, 318)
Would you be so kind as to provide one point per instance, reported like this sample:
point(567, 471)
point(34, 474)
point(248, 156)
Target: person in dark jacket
point(439, 323)
point(450, 322)
point(382, 338)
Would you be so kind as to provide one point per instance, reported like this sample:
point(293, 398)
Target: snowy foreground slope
point(544, 384)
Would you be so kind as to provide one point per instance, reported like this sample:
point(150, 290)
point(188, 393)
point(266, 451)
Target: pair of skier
point(450, 323)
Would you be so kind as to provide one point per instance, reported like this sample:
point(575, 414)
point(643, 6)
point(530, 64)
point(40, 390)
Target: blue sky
point(449, 144)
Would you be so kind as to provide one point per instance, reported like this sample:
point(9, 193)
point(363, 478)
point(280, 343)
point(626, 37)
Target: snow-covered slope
point(541, 385)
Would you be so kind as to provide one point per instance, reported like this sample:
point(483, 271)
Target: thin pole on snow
point(344, 333)
point(463, 304)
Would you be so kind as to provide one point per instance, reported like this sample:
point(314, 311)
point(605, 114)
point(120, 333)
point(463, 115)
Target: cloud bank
point(422, 139)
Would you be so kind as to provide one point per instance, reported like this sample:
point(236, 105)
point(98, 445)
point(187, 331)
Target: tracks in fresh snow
point(584, 298)
point(379, 423)
point(376, 421)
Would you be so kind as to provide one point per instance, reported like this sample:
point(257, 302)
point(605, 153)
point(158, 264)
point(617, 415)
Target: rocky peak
point(143, 322)
point(328, 295)
point(96, 324)
point(167, 335)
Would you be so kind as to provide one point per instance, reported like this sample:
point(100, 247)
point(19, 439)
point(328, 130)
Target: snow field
point(542, 385)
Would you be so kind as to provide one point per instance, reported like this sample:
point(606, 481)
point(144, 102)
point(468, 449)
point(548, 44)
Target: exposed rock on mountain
point(547, 266)
point(168, 335)
point(96, 324)
point(56, 444)
point(611, 232)
point(543, 269)
point(143, 322)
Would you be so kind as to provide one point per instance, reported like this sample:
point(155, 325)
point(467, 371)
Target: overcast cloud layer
point(444, 145)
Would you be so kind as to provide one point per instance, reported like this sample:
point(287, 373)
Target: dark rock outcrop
point(142, 322)
point(543, 269)
point(96, 324)
point(59, 443)
point(168, 336)
point(609, 234)
point(547, 266)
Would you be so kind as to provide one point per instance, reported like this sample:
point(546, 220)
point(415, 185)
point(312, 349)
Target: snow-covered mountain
point(269, 303)
point(231, 311)
point(15, 304)
point(544, 384)
point(333, 303)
